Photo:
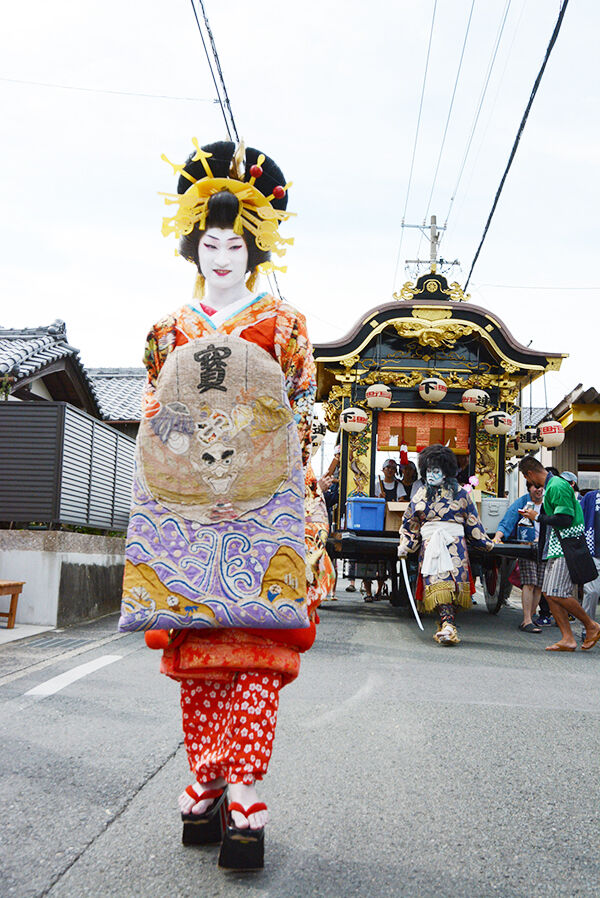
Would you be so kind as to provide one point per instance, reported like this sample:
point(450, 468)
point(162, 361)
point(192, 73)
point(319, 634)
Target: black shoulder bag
point(577, 555)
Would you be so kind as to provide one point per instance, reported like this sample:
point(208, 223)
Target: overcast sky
point(331, 91)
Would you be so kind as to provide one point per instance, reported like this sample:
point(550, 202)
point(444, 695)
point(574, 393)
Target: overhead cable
point(412, 163)
point(534, 90)
point(460, 62)
point(528, 287)
point(98, 90)
point(465, 192)
point(479, 106)
point(277, 285)
point(213, 64)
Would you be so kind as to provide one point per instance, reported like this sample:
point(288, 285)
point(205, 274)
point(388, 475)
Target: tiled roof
point(119, 391)
point(531, 417)
point(27, 351)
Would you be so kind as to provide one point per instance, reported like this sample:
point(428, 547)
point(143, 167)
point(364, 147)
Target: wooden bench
point(13, 589)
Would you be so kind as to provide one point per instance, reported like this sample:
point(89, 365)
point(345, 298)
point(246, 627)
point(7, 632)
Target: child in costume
point(226, 559)
point(440, 518)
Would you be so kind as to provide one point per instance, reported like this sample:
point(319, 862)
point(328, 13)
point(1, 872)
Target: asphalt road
point(400, 768)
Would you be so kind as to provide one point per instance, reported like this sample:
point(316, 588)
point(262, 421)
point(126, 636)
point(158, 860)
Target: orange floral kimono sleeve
point(159, 342)
point(295, 355)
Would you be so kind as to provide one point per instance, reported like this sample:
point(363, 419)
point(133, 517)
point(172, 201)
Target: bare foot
point(186, 803)
point(246, 796)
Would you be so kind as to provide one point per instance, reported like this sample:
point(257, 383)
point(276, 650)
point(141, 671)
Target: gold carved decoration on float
point(438, 334)
point(338, 392)
point(408, 291)
point(455, 292)
point(395, 378)
point(434, 314)
point(508, 388)
point(486, 462)
point(508, 396)
point(401, 358)
point(428, 333)
point(359, 458)
point(333, 406)
point(331, 411)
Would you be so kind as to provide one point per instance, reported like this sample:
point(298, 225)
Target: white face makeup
point(434, 476)
point(223, 256)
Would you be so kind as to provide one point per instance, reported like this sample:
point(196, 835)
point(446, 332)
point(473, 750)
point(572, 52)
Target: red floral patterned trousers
point(229, 726)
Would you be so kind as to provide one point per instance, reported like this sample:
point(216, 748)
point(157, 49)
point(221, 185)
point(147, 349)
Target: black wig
point(223, 207)
point(438, 456)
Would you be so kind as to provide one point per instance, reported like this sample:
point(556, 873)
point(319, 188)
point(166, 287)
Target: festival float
point(429, 367)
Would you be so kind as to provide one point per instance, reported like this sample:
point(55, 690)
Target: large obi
point(216, 534)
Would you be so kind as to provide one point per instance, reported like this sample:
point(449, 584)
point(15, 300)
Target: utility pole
point(433, 244)
point(434, 240)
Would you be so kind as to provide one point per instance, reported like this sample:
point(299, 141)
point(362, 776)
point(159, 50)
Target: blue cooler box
point(363, 513)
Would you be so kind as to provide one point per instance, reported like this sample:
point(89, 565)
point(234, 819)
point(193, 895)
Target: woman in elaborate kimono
point(225, 557)
point(439, 520)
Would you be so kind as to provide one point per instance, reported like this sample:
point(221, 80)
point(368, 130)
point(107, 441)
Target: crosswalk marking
point(49, 687)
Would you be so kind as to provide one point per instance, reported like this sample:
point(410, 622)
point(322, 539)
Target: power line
point(97, 90)
point(527, 287)
point(465, 192)
point(222, 90)
point(277, 285)
point(412, 163)
point(479, 107)
point(460, 62)
point(220, 71)
point(519, 133)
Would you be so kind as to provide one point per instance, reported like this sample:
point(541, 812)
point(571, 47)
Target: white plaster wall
point(38, 603)
point(39, 388)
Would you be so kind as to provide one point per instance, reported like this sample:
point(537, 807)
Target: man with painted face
point(439, 520)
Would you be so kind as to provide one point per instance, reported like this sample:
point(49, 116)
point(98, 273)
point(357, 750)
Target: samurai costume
point(437, 523)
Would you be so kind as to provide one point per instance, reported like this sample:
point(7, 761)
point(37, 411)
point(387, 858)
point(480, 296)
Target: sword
point(410, 595)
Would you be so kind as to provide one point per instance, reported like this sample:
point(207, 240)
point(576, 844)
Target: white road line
point(59, 682)
point(61, 656)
